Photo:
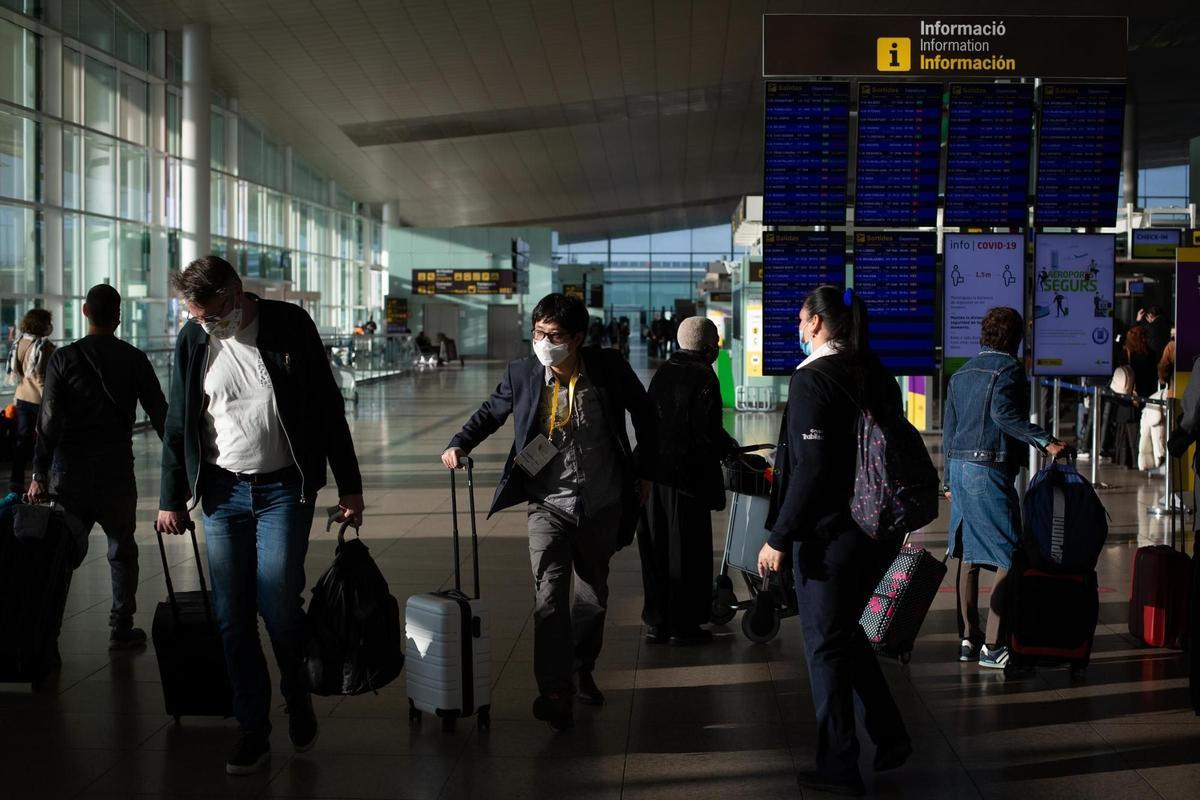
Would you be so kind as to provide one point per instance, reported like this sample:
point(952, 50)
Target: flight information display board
point(1079, 155)
point(895, 275)
point(899, 141)
point(794, 263)
point(463, 281)
point(806, 153)
point(988, 154)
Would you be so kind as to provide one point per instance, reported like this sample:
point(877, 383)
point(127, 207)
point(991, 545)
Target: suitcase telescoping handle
point(162, 551)
point(474, 533)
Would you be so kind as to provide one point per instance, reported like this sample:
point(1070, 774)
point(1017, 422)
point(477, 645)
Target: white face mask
point(226, 327)
point(551, 355)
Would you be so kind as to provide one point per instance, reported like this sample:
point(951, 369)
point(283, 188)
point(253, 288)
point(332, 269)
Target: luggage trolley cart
point(772, 598)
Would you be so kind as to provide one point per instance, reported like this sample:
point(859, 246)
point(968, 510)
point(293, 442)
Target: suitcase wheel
point(724, 605)
point(905, 657)
point(760, 628)
point(449, 724)
point(1078, 672)
point(485, 720)
point(177, 721)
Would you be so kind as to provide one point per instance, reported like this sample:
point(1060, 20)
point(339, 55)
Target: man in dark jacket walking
point(84, 450)
point(675, 537)
point(572, 463)
point(255, 415)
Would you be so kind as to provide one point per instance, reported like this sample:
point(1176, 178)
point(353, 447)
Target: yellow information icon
point(893, 54)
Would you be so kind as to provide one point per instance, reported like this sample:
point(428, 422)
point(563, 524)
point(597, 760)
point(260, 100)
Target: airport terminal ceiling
point(597, 118)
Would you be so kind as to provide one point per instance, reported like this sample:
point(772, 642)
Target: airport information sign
point(463, 281)
point(1079, 155)
point(899, 153)
point(806, 153)
point(1156, 242)
point(1073, 288)
point(982, 271)
point(794, 263)
point(895, 273)
point(988, 154)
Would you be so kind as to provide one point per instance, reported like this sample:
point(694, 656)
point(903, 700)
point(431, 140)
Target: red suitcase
point(893, 616)
point(1158, 596)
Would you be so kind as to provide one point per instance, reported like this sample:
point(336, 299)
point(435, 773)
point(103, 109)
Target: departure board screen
point(1079, 155)
point(806, 153)
point(794, 263)
point(895, 275)
point(899, 141)
point(988, 153)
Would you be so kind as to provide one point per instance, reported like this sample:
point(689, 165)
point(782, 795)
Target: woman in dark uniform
point(835, 564)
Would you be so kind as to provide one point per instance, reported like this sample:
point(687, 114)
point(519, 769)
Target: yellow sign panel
point(893, 54)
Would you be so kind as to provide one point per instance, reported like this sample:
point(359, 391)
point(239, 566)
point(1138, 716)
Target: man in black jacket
point(84, 449)
point(675, 538)
point(571, 461)
point(255, 414)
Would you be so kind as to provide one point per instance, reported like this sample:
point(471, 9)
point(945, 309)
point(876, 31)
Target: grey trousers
point(567, 636)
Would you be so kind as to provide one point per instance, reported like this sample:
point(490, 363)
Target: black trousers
point(834, 580)
point(675, 543)
point(26, 430)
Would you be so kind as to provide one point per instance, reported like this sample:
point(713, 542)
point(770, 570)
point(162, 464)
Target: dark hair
point(37, 321)
point(1002, 329)
point(103, 305)
point(1155, 311)
point(204, 279)
point(1137, 341)
point(843, 313)
point(568, 313)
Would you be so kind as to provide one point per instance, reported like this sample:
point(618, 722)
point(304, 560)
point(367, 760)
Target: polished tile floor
point(732, 719)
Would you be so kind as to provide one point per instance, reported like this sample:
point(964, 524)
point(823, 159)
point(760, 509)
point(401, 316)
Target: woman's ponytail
point(844, 314)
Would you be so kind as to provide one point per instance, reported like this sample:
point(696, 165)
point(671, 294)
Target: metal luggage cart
point(772, 598)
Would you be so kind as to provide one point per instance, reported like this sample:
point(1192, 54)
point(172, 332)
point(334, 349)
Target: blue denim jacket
point(986, 417)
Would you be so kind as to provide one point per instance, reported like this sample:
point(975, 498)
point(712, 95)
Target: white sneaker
point(993, 659)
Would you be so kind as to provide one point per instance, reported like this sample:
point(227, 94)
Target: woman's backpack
point(1066, 524)
point(896, 487)
point(357, 643)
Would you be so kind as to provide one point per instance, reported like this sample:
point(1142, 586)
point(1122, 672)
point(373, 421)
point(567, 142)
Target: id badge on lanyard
point(541, 451)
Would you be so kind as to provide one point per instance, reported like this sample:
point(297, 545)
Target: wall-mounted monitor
point(806, 153)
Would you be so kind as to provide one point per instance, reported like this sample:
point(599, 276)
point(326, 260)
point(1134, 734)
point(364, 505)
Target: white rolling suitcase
point(448, 653)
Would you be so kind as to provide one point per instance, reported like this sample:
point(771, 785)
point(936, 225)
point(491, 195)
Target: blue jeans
point(257, 539)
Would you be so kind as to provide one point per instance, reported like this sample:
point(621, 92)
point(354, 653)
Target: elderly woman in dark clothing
point(675, 536)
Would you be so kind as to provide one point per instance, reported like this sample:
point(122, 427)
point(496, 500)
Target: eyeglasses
point(208, 319)
point(555, 337)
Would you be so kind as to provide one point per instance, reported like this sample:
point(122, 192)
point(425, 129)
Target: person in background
point(84, 450)
point(1143, 358)
point(572, 464)
point(255, 416)
point(836, 565)
point(1158, 328)
point(985, 440)
point(27, 369)
point(1166, 366)
point(675, 534)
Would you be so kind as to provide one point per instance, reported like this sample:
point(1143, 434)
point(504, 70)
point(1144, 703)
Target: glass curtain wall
point(650, 272)
point(284, 230)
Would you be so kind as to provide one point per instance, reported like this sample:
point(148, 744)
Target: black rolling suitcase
point(35, 575)
point(191, 659)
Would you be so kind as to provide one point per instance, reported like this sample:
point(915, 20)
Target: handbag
point(32, 521)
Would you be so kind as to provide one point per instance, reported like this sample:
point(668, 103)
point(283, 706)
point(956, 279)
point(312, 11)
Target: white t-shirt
point(242, 430)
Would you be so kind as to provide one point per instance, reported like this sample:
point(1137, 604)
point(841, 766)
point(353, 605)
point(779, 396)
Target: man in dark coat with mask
point(675, 537)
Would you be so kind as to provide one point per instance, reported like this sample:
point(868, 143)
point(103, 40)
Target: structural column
point(1129, 153)
point(195, 182)
point(52, 176)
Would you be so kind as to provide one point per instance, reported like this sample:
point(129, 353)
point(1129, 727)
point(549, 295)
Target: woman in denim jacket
point(985, 440)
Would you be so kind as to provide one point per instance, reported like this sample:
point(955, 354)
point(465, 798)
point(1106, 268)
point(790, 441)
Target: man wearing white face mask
point(572, 463)
point(255, 416)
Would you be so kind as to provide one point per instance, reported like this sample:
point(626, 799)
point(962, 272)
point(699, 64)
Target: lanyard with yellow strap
point(570, 402)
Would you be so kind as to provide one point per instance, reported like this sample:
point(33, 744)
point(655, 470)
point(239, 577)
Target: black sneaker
point(589, 693)
point(819, 783)
point(554, 709)
point(302, 724)
point(892, 756)
point(251, 754)
point(126, 638)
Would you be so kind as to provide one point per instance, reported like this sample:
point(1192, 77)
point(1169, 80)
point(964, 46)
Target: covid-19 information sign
point(1073, 288)
point(983, 271)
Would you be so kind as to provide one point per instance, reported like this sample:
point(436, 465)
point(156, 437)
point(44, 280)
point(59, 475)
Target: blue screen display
point(1079, 155)
point(806, 153)
point(899, 141)
point(794, 263)
point(987, 155)
point(895, 274)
